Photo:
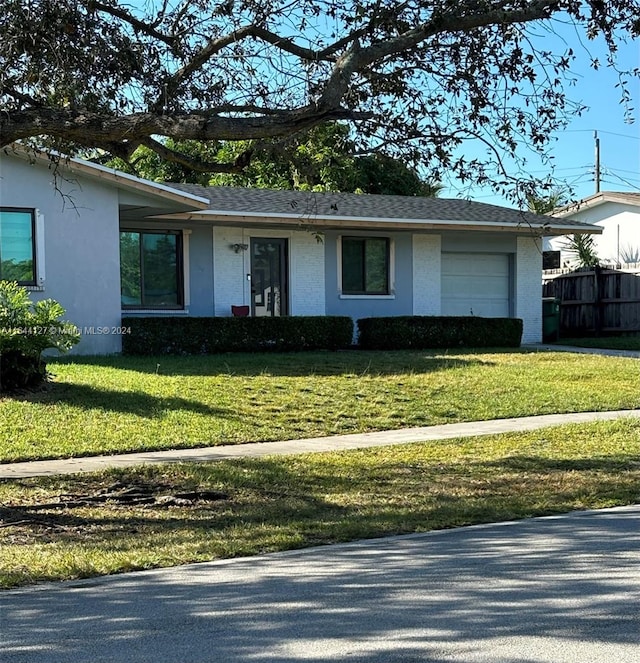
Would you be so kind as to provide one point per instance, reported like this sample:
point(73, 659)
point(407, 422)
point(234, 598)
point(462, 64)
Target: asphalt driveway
point(560, 589)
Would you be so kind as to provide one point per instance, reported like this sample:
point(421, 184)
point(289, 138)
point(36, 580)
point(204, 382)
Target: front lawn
point(109, 405)
point(120, 520)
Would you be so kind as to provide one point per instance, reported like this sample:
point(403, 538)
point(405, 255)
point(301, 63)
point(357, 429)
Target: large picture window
point(151, 269)
point(17, 246)
point(365, 265)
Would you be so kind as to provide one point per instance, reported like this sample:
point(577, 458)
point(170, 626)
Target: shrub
point(26, 330)
point(193, 336)
point(404, 332)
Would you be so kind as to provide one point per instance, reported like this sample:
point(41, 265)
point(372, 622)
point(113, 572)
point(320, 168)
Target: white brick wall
point(528, 288)
point(307, 283)
point(426, 274)
point(229, 271)
point(306, 270)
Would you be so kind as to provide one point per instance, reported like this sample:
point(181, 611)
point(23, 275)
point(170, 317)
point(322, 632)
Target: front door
point(269, 291)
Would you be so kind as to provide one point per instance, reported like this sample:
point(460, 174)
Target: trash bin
point(550, 319)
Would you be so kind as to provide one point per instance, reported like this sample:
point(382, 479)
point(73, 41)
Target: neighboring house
point(106, 245)
point(618, 215)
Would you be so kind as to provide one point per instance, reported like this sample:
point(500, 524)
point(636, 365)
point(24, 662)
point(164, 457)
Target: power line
point(600, 131)
point(581, 179)
point(633, 180)
point(622, 170)
point(552, 171)
point(610, 185)
point(624, 181)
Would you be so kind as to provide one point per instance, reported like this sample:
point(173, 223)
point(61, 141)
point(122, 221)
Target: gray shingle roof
point(363, 206)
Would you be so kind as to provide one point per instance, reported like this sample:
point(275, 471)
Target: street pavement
point(560, 589)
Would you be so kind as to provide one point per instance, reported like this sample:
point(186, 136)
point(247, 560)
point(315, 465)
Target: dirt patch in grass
point(41, 518)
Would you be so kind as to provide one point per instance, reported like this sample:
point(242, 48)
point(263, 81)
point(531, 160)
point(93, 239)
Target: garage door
point(476, 284)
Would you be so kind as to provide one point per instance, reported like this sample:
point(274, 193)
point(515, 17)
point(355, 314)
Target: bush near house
point(418, 332)
point(26, 330)
point(194, 336)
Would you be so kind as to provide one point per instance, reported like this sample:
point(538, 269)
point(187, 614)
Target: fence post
point(598, 312)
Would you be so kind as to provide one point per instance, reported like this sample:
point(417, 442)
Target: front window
point(151, 269)
point(365, 265)
point(17, 246)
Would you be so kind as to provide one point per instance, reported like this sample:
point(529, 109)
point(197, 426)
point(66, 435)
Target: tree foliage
point(319, 159)
point(547, 202)
point(582, 250)
point(413, 78)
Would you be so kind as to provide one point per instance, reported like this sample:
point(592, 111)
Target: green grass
point(608, 342)
point(280, 503)
point(109, 405)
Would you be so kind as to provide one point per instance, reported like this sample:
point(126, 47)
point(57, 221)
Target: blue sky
point(573, 150)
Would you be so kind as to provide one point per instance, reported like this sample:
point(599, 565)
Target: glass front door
point(269, 294)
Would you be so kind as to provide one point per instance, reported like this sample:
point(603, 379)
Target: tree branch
point(101, 129)
point(115, 74)
point(136, 24)
point(213, 47)
point(359, 58)
point(194, 163)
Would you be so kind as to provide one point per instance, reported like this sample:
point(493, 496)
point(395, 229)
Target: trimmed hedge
point(421, 332)
point(199, 336)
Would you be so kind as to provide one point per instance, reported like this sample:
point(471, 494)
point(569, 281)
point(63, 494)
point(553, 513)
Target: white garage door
point(476, 284)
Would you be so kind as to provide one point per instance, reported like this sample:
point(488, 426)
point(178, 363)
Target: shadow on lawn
point(568, 582)
point(264, 499)
point(607, 464)
point(303, 364)
point(125, 402)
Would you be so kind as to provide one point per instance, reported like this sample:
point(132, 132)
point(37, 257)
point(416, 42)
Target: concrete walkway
point(552, 347)
point(335, 443)
point(563, 589)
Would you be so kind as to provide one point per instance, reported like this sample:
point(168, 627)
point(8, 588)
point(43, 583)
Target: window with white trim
point(18, 245)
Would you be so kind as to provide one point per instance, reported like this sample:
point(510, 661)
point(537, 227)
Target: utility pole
point(597, 164)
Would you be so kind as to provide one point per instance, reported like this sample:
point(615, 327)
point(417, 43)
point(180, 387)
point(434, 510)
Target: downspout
point(213, 271)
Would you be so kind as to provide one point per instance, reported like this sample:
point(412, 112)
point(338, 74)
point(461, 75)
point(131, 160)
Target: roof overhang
point(146, 200)
point(596, 200)
point(232, 218)
point(111, 176)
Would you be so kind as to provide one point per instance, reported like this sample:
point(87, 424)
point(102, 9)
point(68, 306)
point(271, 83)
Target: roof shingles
point(362, 206)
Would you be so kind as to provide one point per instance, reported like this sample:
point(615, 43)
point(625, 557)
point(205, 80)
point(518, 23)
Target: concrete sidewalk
point(335, 443)
point(607, 352)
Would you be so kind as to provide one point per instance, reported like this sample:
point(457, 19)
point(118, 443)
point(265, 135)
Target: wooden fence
point(596, 301)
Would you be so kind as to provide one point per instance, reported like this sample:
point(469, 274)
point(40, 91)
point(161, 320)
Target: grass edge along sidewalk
point(87, 525)
point(310, 445)
point(122, 405)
